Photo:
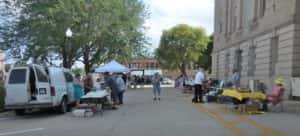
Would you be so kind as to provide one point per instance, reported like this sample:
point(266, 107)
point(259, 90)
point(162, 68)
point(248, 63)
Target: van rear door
point(58, 84)
point(17, 86)
point(42, 85)
point(70, 88)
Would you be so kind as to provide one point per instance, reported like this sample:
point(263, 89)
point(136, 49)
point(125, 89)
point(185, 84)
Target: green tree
point(180, 46)
point(78, 70)
point(205, 60)
point(103, 30)
point(8, 16)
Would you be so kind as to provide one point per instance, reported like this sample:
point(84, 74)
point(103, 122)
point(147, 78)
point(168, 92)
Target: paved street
point(175, 115)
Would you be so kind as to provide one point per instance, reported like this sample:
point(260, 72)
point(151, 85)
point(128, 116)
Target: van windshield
point(17, 76)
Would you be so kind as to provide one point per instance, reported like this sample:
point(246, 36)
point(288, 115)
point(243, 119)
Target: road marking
point(21, 131)
point(266, 131)
point(236, 131)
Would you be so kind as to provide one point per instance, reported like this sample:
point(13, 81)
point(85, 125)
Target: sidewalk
point(291, 107)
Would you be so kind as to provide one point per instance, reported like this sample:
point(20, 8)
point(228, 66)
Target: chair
point(277, 99)
point(218, 88)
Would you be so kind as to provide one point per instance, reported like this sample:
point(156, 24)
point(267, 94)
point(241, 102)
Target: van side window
point(41, 76)
point(69, 77)
point(17, 76)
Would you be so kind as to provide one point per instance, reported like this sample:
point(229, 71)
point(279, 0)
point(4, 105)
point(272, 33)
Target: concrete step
point(291, 106)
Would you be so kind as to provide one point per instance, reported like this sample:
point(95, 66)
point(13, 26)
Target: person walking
point(122, 87)
point(78, 89)
point(111, 83)
point(156, 86)
point(198, 82)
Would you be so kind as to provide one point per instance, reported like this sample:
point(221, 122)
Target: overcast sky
point(168, 13)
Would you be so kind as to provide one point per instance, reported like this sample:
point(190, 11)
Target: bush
point(1, 95)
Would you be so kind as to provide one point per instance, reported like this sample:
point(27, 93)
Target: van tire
point(63, 108)
point(20, 112)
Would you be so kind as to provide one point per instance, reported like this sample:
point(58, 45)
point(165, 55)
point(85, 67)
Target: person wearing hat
point(276, 95)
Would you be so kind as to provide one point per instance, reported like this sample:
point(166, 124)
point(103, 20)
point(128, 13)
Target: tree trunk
point(86, 61)
point(182, 69)
point(66, 61)
point(64, 57)
point(67, 55)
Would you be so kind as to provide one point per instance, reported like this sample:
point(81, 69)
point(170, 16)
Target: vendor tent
point(113, 67)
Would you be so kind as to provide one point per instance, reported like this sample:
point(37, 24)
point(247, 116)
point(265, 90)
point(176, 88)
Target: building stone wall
point(268, 38)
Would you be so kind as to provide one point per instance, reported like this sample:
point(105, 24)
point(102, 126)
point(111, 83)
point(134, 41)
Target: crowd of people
point(201, 85)
point(116, 83)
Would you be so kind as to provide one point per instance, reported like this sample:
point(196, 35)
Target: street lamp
point(69, 35)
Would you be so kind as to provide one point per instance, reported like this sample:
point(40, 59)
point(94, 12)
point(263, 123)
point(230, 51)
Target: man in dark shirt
point(111, 83)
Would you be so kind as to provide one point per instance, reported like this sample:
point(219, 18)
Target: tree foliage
point(180, 46)
point(103, 30)
point(205, 60)
point(8, 21)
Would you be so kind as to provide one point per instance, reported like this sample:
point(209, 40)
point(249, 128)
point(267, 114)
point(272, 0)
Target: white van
point(34, 86)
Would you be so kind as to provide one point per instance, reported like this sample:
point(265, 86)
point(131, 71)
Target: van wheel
point(20, 112)
point(63, 108)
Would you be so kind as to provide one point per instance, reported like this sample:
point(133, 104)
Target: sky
point(165, 14)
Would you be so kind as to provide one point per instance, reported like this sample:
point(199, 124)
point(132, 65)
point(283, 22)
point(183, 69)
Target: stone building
point(260, 38)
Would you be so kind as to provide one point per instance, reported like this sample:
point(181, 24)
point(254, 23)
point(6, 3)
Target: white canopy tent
point(112, 67)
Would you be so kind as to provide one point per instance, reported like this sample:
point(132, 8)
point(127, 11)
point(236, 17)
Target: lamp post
point(69, 35)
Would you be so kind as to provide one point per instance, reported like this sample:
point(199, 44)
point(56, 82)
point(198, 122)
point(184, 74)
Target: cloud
point(168, 13)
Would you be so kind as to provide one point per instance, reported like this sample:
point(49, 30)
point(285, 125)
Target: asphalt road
point(174, 115)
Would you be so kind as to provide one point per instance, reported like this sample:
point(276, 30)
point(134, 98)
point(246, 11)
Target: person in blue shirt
point(121, 86)
point(111, 83)
point(235, 80)
point(156, 86)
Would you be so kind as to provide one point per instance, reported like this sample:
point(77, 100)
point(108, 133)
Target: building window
point(234, 22)
point(227, 65)
point(274, 55)
point(152, 65)
point(248, 10)
point(238, 60)
point(138, 65)
point(220, 27)
point(251, 61)
point(262, 8)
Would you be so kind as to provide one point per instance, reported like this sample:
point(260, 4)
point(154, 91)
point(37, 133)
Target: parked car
point(36, 87)
point(167, 80)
